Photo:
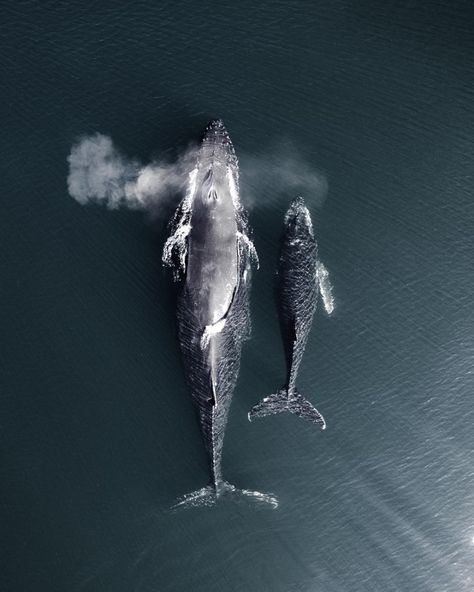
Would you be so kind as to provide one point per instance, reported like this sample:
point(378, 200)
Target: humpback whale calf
point(302, 277)
point(211, 254)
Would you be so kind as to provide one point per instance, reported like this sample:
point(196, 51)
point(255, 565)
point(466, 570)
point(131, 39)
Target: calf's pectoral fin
point(325, 287)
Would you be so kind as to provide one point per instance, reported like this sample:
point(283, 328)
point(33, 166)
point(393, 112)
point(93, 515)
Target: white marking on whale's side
point(211, 330)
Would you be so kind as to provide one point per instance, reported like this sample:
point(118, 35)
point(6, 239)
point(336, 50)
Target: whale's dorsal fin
point(325, 287)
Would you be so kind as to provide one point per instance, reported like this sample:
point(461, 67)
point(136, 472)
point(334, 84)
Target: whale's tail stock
point(292, 402)
point(210, 495)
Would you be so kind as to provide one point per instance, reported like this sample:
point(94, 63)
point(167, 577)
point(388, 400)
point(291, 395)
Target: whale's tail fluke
point(209, 496)
point(292, 403)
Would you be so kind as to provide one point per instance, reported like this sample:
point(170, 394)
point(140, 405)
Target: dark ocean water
point(97, 432)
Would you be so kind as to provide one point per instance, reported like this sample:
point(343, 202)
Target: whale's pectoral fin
point(294, 403)
point(175, 250)
point(207, 497)
point(325, 287)
point(247, 249)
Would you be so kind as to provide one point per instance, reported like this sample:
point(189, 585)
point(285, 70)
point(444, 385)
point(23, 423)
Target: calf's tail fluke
point(292, 403)
point(210, 495)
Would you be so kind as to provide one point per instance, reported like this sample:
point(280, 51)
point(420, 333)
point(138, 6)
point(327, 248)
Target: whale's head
point(216, 145)
point(217, 177)
point(298, 220)
point(213, 264)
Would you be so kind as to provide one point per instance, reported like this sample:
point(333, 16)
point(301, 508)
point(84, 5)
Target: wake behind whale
point(211, 253)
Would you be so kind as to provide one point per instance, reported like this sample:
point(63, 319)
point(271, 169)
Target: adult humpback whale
point(302, 277)
point(211, 254)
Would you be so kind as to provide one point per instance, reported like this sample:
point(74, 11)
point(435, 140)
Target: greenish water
point(98, 435)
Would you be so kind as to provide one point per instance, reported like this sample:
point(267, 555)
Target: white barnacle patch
point(298, 208)
point(176, 245)
point(211, 330)
point(296, 241)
